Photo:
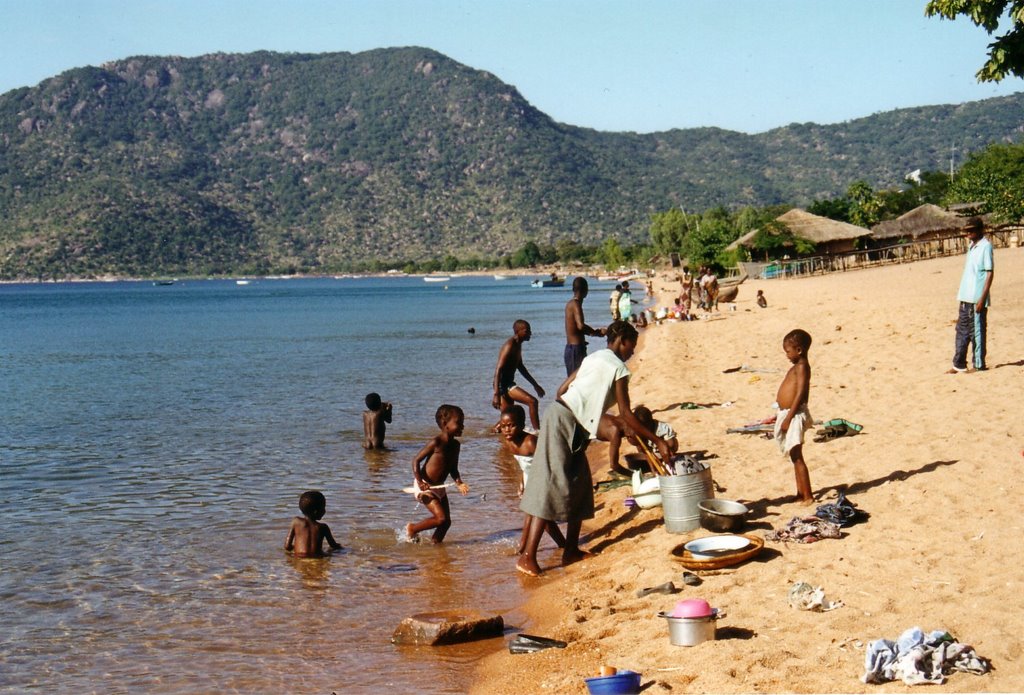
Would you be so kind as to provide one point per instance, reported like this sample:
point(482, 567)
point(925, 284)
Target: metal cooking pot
point(722, 516)
point(689, 632)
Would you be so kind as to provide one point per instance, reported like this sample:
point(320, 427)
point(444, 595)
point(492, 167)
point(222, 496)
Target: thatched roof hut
point(745, 240)
point(829, 236)
point(822, 231)
point(925, 220)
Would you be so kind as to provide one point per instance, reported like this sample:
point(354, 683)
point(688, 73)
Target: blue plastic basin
point(622, 683)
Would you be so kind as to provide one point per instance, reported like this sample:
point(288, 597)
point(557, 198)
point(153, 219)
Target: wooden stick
point(656, 465)
point(413, 490)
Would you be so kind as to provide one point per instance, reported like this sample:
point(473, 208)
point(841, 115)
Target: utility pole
point(952, 153)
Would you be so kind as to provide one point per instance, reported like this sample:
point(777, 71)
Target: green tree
point(1006, 53)
point(611, 253)
point(668, 230)
point(834, 209)
point(993, 177)
point(865, 205)
point(528, 255)
point(571, 250)
point(775, 239)
point(705, 243)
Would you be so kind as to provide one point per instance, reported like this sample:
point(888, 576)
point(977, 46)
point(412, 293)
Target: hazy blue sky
point(644, 65)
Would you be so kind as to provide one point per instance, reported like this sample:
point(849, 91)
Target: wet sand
point(937, 466)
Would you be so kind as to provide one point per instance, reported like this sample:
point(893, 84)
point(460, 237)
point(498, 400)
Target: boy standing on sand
point(307, 535)
point(794, 418)
point(375, 416)
point(510, 361)
point(432, 466)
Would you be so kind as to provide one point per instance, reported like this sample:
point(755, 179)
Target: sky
point(613, 65)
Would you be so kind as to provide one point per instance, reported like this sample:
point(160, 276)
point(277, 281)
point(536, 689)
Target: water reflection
point(166, 435)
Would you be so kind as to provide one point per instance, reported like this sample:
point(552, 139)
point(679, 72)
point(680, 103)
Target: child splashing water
point(431, 467)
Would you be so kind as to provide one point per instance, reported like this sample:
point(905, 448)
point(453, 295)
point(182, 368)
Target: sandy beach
point(936, 466)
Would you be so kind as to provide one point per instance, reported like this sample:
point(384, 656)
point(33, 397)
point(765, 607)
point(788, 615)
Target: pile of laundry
point(684, 464)
point(842, 512)
point(805, 529)
point(805, 597)
point(919, 658)
point(837, 427)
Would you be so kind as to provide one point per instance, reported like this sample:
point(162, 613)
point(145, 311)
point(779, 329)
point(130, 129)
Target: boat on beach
point(731, 281)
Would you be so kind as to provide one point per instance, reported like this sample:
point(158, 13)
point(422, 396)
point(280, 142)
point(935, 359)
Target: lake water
point(154, 442)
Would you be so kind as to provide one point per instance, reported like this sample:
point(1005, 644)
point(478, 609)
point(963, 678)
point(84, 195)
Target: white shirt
point(592, 392)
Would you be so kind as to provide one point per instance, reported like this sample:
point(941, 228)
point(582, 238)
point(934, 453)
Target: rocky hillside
point(270, 162)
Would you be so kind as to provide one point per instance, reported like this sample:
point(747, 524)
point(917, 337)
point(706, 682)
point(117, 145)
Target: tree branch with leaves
point(1006, 53)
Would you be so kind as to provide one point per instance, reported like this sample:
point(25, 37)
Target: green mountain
point(270, 162)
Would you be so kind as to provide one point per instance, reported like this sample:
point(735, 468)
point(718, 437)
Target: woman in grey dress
point(560, 487)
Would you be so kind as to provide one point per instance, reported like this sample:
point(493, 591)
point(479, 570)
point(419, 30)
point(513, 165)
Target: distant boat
point(241, 282)
point(501, 277)
point(633, 274)
point(437, 278)
point(163, 283)
point(553, 282)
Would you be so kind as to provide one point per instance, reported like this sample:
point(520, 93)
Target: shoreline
point(933, 466)
point(538, 272)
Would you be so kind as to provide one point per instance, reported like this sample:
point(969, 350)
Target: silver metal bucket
point(680, 497)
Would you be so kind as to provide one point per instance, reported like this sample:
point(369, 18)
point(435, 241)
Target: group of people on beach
point(557, 484)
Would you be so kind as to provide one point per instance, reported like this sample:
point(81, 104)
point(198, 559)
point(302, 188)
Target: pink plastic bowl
point(692, 608)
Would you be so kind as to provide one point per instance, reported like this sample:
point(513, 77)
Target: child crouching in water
point(522, 445)
point(432, 466)
point(307, 535)
point(794, 418)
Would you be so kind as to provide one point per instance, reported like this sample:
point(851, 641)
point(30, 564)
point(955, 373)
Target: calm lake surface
point(154, 442)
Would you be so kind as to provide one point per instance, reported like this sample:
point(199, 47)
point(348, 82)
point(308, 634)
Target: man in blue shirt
point(975, 284)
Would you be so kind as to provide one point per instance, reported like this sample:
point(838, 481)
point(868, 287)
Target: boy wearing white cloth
point(794, 418)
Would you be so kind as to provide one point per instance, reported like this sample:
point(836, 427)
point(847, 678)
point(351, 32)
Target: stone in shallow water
point(447, 627)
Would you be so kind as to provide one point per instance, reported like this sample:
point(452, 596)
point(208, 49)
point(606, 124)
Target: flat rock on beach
point(936, 465)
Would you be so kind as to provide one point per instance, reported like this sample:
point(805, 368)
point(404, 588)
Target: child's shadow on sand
point(759, 508)
point(638, 530)
point(1018, 363)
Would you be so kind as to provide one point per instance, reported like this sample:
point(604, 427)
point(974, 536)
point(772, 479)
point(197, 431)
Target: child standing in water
point(375, 419)
point(522, 444)
point(794, 418)
point(432, 466)
point(307, 535)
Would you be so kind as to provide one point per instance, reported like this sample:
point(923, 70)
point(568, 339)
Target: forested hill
point(266, 162)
